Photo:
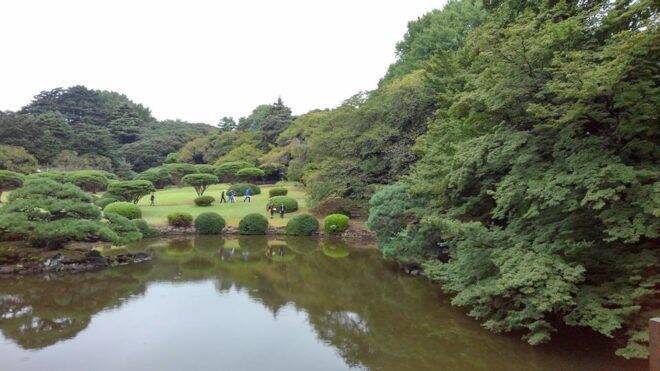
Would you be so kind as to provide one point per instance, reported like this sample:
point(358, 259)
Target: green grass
point(181, 199)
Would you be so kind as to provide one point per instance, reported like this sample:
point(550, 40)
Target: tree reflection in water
point(373, 316)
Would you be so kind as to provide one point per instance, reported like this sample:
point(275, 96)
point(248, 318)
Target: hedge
point(209, 223)
point(290, 204)
point(240, 188)
point(335, 223)
point(144, 228)
point(253, 224)
point(302, 225)
point(227, 171)
point(204, 200)
point(105, 201)
point(180, 220)
point(125, 209)
point(278, 191)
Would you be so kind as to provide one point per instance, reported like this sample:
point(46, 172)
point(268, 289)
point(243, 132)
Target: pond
point(250, 303)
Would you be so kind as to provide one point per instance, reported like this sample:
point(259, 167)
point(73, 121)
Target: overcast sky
point(201, 60)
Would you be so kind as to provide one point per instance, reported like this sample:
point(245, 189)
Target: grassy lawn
point(181, 199)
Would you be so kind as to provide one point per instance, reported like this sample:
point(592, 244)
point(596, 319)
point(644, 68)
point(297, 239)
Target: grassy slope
point(181, 199)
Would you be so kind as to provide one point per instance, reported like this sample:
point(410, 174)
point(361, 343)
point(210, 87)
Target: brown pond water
point(206, 303)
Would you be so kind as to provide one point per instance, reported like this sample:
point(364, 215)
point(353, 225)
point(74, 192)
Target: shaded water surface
point(206, 303)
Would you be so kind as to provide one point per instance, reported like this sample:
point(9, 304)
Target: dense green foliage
point(240, 188)
point(250, 174)
point(302, 225)
point(89, 180)
point(180, 220)
point(200, 182)
point(130, 190)
point(101, 126)
point(227, 172)
point(209, 223)
point(9, 180)
point(277, 191)
point(126, 230)
point(17, 159)
point(104, 201)
point(335, 223)
point(290, 203)
point(204, 200)
point(144, 228)
point(253, 224)
point(126, 209)
point(535, 199)
point(49, 214)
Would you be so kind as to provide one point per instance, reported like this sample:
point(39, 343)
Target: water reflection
point(372, 316)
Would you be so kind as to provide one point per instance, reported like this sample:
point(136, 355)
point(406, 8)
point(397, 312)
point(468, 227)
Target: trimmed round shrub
point(335, 223)
point(253, 224)
point(125, 209)
point(180, 220)
point(250, 173)
point(105, 201)
point(278, 191)
point(240, 188)
point(89, 180)
point(302, 225)
point(209, 223)
point(144, 228)
point(290, 204)
point(204, 200)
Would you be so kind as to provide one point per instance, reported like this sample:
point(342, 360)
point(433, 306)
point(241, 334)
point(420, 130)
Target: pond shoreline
point(79, 257)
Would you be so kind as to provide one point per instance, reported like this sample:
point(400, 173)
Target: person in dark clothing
point(153, 199)
point(272, 211)
point(222, 197)
point(282, 211)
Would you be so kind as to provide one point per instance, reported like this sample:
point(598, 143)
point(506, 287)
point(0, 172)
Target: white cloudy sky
point(200, 60)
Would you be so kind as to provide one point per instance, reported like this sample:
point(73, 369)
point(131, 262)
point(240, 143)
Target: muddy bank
point(18, 259)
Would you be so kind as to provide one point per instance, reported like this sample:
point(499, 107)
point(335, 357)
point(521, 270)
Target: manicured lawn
point(181, 199)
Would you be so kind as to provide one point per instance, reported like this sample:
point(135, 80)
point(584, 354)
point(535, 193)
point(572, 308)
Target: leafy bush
point(126, 230)
point(302, 225)
point(89, 180)
point(253, 224)
point(130, 190)
point(338, 205)
point(125, 209)
point(335, 223)
point(226, 172)
point(17, 159)
point(144, 228)
point(171, 158)
point(250, 173)
point(209, 223)
point(180, 220)
point(290, 203)
point(58, 176)
point(278, 191)
point(157, 175)
point(205, 168)
point(104, 201)
point(200, 182)
point(178, 170)
point(9, 180)
point(49, 214)
point(240, 188)
point(204, 200)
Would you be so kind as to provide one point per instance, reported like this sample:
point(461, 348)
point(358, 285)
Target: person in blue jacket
point(247, 194)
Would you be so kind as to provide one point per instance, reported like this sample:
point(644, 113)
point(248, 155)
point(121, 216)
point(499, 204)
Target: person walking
point(222, 197)
point(282, 210)
point(230, 193)
point(153, 200)
point(271, 208)
point(247, 194)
